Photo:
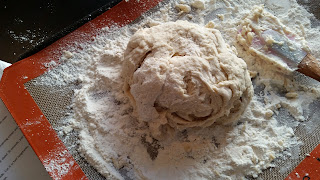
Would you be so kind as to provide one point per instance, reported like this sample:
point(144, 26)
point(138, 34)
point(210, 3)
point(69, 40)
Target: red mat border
point(41, 136)
point(309, 168)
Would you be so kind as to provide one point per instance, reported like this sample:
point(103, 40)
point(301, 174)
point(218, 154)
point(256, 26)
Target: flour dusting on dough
point(184, 75)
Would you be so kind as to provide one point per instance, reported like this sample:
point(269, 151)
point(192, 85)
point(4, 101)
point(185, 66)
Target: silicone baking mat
point(38, 109)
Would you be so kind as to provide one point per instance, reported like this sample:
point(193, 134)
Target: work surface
point(28, 27)
point(9, 32)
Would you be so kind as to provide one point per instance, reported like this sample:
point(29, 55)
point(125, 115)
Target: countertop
point(26, 27)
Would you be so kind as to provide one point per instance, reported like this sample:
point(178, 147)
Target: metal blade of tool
point(289, 51)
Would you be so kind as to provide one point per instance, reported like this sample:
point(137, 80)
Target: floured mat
point(40, 109)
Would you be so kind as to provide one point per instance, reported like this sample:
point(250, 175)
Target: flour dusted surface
point(112, 138)
point(213, 152)
point(114, 141)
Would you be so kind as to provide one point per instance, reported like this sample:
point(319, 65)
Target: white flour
point(112, 139)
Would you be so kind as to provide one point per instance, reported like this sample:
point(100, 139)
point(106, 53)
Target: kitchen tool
point(29, 101)
point(289, 52)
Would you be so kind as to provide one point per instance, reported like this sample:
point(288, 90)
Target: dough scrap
point(184, 75)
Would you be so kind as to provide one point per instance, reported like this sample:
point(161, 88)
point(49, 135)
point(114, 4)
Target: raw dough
point(185, 75)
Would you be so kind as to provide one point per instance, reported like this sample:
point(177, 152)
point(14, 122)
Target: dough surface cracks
point(184, 75)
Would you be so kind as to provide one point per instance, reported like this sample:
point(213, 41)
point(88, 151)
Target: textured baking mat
point(54, 103)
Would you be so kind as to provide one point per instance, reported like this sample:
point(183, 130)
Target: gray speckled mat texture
point(54, 102)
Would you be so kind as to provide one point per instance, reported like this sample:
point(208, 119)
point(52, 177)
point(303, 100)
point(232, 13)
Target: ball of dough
point(184, 75)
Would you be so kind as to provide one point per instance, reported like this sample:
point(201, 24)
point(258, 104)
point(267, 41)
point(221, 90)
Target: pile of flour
point(113, 140)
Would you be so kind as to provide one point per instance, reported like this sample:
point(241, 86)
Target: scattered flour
point(58, 168)
point(112, 139)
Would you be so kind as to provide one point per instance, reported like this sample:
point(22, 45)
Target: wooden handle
point(309, 66)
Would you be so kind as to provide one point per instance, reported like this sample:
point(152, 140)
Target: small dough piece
point(198, 4)
point(183, 8)
point(291, 95)
point(210, 24)
point(185, 75)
